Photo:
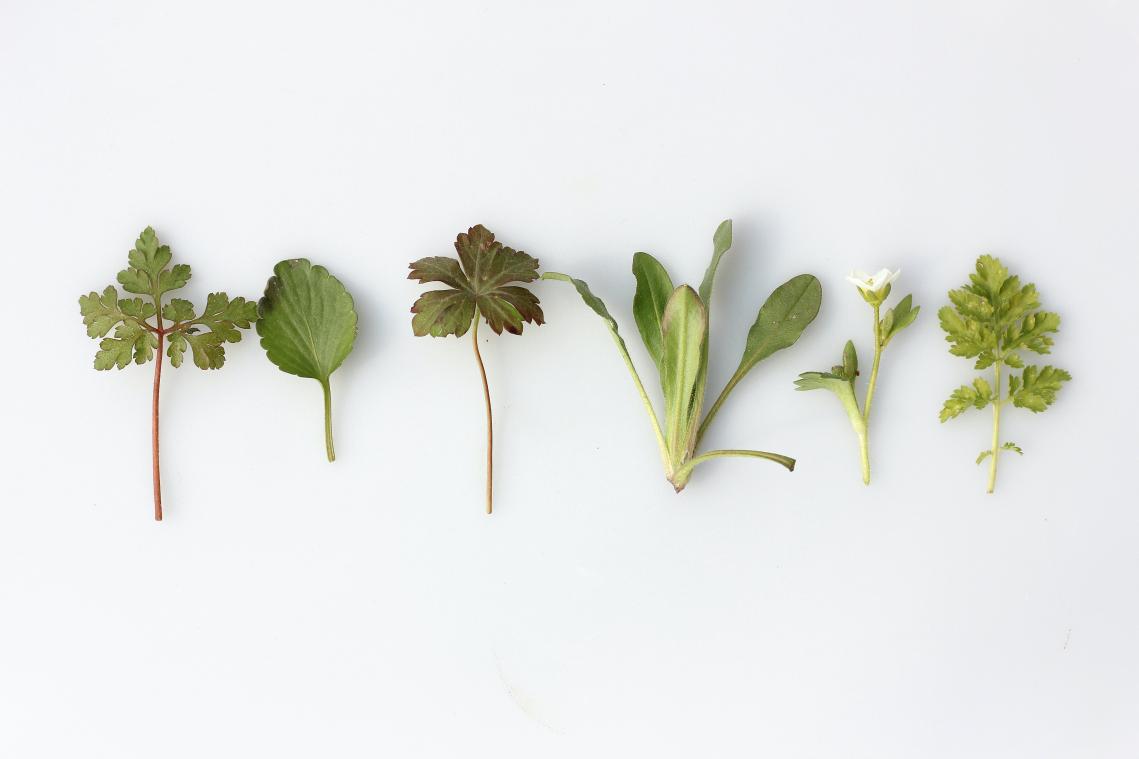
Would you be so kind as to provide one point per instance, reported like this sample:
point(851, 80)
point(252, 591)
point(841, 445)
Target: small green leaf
point(898, 318)
point(781, 320)
point(307, 323)
point(849, 361)
point(1012, 447)
point(131, 342)
point(961, 399)
point(225, 317)
point(984, 455)
point(206, 347)
point(178, 310)
point(983, 390)
point(842, 387)
point(100, 312)
point(177, 348)
point(147, 273)
point(721, 242)
point(1038, 387)
point(654, 288)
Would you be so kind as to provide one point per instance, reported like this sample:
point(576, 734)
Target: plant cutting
point(673, 323)
point(307, 324)
point(992, 319)
point(875, 289)
point(144, 325)
point(479, 287)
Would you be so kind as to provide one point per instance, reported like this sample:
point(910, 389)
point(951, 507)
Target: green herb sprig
point(875, 289)
point(673, 323)
point(144, 325)
point(992, 319)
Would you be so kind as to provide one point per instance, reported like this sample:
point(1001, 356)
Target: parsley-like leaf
point(993, 319)
point(138, 331)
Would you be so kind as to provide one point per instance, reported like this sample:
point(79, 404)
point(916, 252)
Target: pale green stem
point(996, 427)
point(645, 400)
point(864, 436)
point(716, 406)
point(328, 446)
point(683, 472)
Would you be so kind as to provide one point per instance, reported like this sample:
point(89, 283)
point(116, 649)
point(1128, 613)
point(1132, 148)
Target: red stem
point(154, 427)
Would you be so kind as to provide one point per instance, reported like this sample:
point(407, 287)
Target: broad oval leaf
point(781, 320)
point(307, 323)
point(654, 288)
point(307, 320)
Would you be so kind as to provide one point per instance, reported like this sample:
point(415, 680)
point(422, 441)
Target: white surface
point(292, 608)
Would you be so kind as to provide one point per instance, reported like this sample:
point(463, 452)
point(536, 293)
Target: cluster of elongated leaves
point(129, 327)
point(674, 325)
point(992, 319)
point(479, 280)
point(307, 324)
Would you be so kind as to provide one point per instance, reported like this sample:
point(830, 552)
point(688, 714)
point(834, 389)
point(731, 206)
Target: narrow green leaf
point(598, 307)
point(654, 288)
point(781, 320)
point(684, 330)
point(721, 242)
point(849, 361)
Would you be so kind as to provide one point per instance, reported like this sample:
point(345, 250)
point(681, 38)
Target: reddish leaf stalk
point(154, 425)
point(489, 420)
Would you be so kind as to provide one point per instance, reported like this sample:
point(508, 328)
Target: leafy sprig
point(479, 285)
point(137, 329)
point(674, 326)
point(840, 380)
point(992, 319)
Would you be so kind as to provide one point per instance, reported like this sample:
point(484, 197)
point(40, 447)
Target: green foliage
point(840, 380)
point(673, 323)
point(478, 285)
point(307, 324)
point(135, 336)
point(479, 280)
point(993, 319)
point(134, 329)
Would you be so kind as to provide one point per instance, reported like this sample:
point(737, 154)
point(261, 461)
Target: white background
point(292, 608)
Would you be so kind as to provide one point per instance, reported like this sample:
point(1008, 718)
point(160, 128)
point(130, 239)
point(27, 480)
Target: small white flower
point(872, 284)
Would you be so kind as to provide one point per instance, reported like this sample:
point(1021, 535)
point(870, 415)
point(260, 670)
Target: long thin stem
point(864, 438)
point(716, 406)
point(489, 419)
point(648, 404)
point(328, 446)
point(157, 475)
point(996, 427)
